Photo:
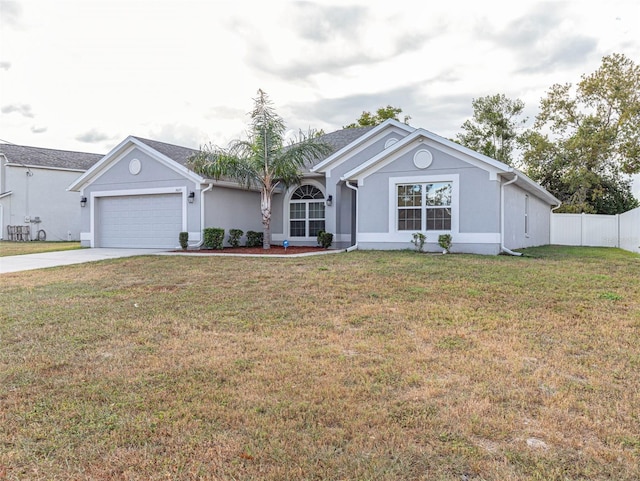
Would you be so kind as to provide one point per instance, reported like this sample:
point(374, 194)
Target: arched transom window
point(306, 212)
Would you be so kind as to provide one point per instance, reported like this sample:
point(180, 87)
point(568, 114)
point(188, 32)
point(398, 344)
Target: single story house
point(33, 192)
point(379, 186)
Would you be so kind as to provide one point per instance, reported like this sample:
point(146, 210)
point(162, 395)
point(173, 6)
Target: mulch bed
point(275, 250)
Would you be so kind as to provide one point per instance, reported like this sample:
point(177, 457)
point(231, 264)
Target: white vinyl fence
point(621, 230)
point(630, 230)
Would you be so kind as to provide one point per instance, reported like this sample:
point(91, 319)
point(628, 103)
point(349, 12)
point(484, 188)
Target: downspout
point(202, 192)
point(551, 223)
point(354, 188)
point(502, 246)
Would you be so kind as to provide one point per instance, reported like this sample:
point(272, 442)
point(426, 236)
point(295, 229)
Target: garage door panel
point(153, 221)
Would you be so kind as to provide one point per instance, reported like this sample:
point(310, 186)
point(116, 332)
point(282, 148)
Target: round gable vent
point(135, 166)
point(422, 159)
point(390, 142)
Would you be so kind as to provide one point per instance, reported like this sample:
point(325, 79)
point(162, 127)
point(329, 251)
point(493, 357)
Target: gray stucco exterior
point(491, 206)
point(527, 219)
point(233, 208)
point(394, 154)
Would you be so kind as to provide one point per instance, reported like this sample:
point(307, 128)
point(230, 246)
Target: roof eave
point(321, 167)
point(100, 166)
point(531, 186)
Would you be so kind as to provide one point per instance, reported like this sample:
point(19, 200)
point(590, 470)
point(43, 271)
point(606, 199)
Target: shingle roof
point(337, 140)
point(40, 157)
point(340, 138)
point(174, 152)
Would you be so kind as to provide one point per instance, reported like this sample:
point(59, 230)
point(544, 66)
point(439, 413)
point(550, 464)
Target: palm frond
point(233, 163)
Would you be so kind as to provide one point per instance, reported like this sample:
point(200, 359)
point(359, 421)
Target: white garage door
point(139, 221)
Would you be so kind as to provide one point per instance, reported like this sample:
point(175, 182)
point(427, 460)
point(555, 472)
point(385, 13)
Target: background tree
point(586, 139)
point(494, 128)
point(382, 114)
point(263, 161)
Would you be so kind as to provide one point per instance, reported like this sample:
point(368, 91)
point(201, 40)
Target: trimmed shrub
point(444, 241)
point(213, 238)
point(254, 239)
point(234, 237)
point(325, 239)
point(418, 240)
point(183, 238)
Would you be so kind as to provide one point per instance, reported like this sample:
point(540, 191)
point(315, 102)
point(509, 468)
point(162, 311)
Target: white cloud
point(10, 12)
point(186, 71)
point(22, 109)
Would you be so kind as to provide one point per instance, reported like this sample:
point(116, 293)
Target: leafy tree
point(262, 161)
point(494, 128)
point(382, 114)
point(585, 139)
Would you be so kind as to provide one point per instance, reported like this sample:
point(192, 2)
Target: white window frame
point(454, 179)
point(287, 212)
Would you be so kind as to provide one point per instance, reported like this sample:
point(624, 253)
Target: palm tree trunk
point(265, 208)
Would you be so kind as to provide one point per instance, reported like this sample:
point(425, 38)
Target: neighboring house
point(379, 186)
point(33, 195)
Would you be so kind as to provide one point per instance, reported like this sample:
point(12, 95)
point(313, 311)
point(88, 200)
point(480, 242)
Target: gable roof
point(366, 133)
point(343, 137)
point(337, 140)
point(48, 158)
point(161, 151)
point(174, 152)
point(493, 166)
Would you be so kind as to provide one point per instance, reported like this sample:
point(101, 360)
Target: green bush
point(254, 239)
point(213, 238)
point(325, 239)
point(183, 238)
point(234, 237)
point(444, 241)
point(418, 240)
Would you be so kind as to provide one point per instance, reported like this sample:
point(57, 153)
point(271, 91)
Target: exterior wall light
point(330, 200)
point(191, 197)
point(83, 201)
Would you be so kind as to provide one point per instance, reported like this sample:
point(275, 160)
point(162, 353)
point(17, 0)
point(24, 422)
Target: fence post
point(583, 219)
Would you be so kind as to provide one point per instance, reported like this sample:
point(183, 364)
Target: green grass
point(19, 248)
point(366, 365)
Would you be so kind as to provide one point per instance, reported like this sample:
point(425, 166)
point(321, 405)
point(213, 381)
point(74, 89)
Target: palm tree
point(262, 161)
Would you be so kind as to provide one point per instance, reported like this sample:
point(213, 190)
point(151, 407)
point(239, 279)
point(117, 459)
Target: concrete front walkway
point(43, 260)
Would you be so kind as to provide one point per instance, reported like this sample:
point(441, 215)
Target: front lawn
point(19, 248)
point(358, 366)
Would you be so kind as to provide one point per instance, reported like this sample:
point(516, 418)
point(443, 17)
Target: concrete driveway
point(43, 260)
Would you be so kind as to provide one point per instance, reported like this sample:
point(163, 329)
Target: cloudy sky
point(84, 74)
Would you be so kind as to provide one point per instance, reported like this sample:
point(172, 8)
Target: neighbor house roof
point(48, 158)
